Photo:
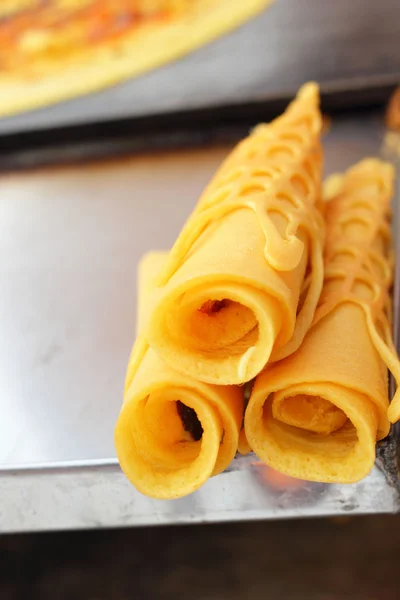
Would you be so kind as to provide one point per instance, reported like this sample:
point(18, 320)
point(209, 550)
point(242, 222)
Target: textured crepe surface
point(159, 456)
point(317, 414)
point(229, 291)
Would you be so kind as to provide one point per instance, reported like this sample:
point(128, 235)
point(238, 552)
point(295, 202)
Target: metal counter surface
point(70, 241)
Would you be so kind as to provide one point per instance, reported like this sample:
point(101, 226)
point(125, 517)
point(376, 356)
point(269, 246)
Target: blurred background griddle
point(351, 48)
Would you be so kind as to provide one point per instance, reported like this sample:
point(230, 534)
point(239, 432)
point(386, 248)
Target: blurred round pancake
point(52, 50)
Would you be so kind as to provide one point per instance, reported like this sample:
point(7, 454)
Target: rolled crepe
point(173, 433)
point(229, 291)
point(317, 414)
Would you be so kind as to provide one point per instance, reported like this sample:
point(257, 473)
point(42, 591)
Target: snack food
point(51, 50)
point(317, 414)
point(173, 433)
point(392, 116)
point(229, 291)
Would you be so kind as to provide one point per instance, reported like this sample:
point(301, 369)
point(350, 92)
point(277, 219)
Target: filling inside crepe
point(190, 421)
point(308, 412)
point(219, 326)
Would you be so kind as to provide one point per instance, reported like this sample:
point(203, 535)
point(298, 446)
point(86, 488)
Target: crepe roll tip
point(309, 90)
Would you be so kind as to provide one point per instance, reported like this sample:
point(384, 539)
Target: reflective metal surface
point(69, 244)
point(102, 497)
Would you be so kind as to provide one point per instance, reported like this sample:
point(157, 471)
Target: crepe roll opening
point(317, 432)
point(217, 332)
point(168, 441)
point(173, 423)
point(220, 326)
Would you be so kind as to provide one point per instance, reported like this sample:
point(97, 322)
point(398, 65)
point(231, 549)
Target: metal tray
point(70, 241)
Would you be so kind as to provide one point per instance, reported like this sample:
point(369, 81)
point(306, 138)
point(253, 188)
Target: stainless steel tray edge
point(101, 496)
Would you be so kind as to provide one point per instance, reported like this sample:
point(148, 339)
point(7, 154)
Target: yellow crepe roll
point(173, 433)
point(228, 294)
point(317, 414)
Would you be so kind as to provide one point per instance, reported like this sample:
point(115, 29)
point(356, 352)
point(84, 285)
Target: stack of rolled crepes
point(173, 432)
point(225, 302)
point(317, 414)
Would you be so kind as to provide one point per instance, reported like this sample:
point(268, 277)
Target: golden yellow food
point(173, 433)
point(317, 414)
point(228, 295)
point(53, 50)
point(392, 116)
